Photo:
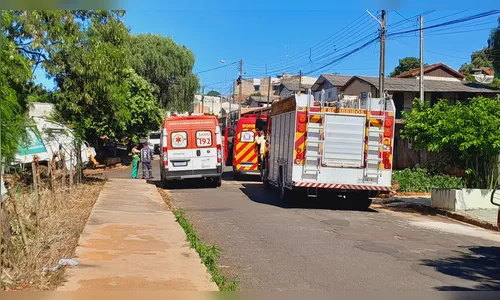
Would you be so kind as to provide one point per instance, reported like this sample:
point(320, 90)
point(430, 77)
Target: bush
point(421, 180)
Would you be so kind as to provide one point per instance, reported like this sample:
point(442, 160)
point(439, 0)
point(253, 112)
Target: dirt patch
point(135, 283)
point(127, 239)
point(51, 227)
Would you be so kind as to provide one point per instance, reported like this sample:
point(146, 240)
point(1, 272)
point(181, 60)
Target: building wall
point(246, 89)
point(357, 87)
point(442, 73)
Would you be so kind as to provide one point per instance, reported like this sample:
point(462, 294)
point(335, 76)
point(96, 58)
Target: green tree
point(494, 46)
point(478, 59)
point(14, 74)
point(469, 132)
point(213, 94)
point(90, 76)
point(168, 67)
point(143, 106)
point(406, 64)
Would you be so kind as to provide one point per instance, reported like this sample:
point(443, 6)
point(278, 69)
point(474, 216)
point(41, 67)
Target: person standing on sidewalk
point(146, 158)
point(135, 164)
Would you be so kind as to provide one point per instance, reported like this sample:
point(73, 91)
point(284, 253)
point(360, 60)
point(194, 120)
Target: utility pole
point(422, 96)
point(230, 101)
point(241, 87)
point(300, 82)
point(381, 75)
point(382, 56)
point(202, 99)
point(269, 91)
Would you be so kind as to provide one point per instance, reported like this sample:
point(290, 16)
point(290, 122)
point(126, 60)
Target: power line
point(216, 68)
point(305, 53)
point(452, 22)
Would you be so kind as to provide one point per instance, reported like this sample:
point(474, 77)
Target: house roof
point(416, 71)
point(262, 99)
point(293, 85)
point(335, 80)
point(488, 71)
point(393, 84)
point(251, 110)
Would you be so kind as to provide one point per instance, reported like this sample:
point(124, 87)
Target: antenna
point(481, 78)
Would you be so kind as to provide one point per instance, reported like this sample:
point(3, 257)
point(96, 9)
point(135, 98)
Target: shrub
point(421, 180)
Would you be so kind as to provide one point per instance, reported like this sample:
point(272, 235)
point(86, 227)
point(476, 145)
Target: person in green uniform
point(135, 162)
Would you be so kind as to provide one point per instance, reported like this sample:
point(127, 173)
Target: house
point(261, 101)
point(251, 86)
point(437, 71)
point(330, 85)
point(404, 90)
point(483, 71)
point(291, 86)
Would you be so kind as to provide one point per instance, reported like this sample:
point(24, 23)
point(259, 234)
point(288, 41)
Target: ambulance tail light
point(165, 156)
point(219, 153)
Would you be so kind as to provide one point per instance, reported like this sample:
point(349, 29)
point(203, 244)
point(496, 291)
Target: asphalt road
point(316, 246)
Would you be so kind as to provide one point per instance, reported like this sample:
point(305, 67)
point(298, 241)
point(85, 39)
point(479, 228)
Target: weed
point(208, 254)
point(421, 180)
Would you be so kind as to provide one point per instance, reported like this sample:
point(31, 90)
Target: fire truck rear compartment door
point(344, 137)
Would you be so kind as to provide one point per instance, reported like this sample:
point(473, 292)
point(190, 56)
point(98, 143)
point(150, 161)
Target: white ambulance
point(191, 147)
point(345, 145)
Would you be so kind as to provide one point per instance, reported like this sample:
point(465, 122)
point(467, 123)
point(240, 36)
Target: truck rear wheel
point(360, 201)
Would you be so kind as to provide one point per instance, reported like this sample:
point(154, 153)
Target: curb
point(436, 211)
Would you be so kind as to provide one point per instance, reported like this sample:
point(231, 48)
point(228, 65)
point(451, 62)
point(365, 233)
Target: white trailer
point(345, 145)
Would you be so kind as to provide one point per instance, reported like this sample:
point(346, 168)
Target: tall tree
point(89, 75)
point(213, 94)
point(405, 64)
point(494, 45)
point(143, 106)
point(14, 75)
point(168, 67)
point(478, 59)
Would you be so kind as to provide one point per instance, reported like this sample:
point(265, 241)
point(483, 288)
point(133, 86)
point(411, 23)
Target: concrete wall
point(461, 199)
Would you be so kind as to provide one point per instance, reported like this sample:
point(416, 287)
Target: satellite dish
point(486, 79)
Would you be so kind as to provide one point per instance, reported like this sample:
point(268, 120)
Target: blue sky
point(261, 32)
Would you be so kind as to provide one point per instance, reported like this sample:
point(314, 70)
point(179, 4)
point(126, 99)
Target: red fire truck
point(240, 147)
point(345, 145)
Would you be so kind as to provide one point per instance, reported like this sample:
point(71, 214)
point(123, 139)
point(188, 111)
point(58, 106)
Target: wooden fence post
point(71, 170)
point(34, 170)
point(21, 225)
point(63, 170)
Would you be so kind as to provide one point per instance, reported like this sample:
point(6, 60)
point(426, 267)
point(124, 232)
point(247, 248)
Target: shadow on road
point(326, 200)
point(186, 184)
point(479, 264)
point(228, 176)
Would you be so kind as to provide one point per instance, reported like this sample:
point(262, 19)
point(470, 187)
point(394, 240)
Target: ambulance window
point(247, 136)
point(179, 139)
point(203, 138)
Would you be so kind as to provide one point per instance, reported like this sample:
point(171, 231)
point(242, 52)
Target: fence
point(405, 156)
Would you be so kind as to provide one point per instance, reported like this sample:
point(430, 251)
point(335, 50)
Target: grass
point(62, 215)
point(421, 180)
point(208, 254)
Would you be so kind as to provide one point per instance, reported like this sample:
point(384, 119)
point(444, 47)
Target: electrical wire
point(216, 68)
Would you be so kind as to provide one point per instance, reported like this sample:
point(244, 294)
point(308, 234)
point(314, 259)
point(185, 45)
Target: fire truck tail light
point(302, 128)
point(388, 123)
point(299, 156)
point(387, 133)
point(302, 118)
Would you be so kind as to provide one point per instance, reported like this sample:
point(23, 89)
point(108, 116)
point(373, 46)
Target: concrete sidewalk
point(485, 218)
point(131, 242)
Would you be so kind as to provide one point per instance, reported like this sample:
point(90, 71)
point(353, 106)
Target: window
point(179, 139)
point(203, 138)
point(330, 95)
point(154, 136)
point(256, 88)
point(247, 136)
